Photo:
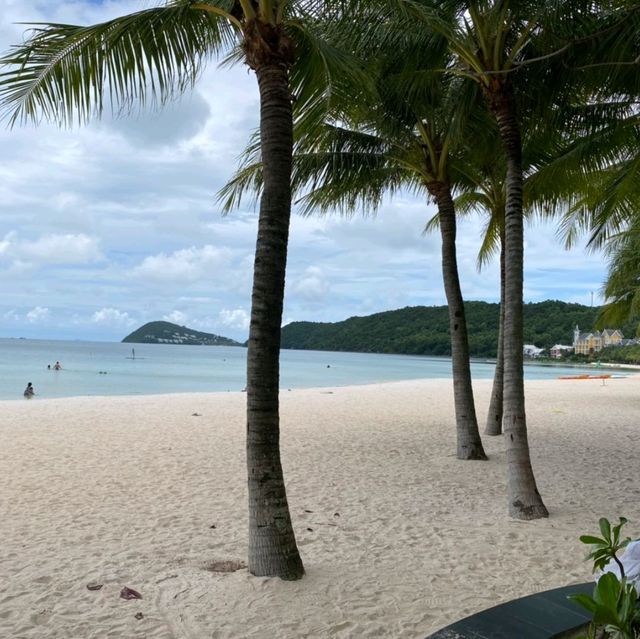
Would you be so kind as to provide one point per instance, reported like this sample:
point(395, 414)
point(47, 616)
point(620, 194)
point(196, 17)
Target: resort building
point(594, 341)
point(530, 350)
point(557, 351)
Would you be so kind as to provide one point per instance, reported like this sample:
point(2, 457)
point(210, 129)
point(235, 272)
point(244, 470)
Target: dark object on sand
point(93, 585)
point(139, 615)
point(130, 593)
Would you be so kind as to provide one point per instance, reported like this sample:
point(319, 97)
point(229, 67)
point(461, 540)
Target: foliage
point(614, 604)
point(421, 330)
point(166, 332)
point(622, 289)
point(621, 354)
point(605, 548)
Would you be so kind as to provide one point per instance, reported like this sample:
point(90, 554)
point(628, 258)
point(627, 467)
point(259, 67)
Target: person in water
point(28, 391)
point(57, 366)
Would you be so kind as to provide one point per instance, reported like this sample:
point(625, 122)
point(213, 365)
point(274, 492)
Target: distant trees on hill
point(422, 330)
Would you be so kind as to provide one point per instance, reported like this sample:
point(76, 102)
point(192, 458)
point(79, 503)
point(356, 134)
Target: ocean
point(111, 368)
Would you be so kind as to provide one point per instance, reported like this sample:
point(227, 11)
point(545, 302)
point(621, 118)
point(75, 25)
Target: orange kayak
point(585, 376)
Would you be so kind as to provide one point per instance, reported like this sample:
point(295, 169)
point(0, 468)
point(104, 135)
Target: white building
point(530, 350)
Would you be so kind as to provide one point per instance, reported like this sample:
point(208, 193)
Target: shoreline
point(398, 537)
point(284, 390)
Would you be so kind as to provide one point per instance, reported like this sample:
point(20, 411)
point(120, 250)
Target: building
point(594, 341)
point(558, 350)
point(530, 350)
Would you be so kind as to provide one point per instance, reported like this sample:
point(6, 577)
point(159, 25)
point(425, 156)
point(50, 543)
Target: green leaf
point(607, 591)
point(616, 530)
point(585, 601)
point(605, 528)
point(588, 539)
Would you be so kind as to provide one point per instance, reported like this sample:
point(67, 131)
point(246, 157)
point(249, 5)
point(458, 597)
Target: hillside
point(421, 330)
point(168, 333)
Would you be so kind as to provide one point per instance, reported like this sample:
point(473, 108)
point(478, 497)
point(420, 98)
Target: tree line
point(502, 108)
point(422, 330)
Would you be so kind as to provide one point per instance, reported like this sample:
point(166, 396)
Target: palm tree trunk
point(494, 418)
point(272, 543)
point(469, 444)
point(525, 501)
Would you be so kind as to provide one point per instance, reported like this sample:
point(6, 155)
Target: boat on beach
point(586, 376)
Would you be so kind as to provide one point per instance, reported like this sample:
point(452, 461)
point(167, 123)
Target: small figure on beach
point(28, 391)
point(57, 366)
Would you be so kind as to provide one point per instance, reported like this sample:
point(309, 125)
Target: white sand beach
point(397, 536)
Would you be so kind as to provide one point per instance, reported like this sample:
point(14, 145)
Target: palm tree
point(64, 72)
point(489, 41)
point(510, 49)
point(393, 138)
point(622, 288)
point(487, 195)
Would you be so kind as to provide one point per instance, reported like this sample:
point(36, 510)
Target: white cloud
point(184, 266)
point(236, 318)
point(176, 317)
point(112, 317)
point(5, 244)
point(51, 249)
point(312, 285)
point(37, 314)
point(101, 214)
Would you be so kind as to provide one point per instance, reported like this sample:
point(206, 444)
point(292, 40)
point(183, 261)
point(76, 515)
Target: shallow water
point(109, 368)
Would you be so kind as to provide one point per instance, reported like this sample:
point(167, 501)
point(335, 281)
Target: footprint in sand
point(42, 617)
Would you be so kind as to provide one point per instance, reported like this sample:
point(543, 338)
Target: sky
point(110, 225)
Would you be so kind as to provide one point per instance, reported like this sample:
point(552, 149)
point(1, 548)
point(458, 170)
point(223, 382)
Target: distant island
point(168, 333)
point(424, 330)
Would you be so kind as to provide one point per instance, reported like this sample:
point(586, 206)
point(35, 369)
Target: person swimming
point(28, 391)
point(57, 366)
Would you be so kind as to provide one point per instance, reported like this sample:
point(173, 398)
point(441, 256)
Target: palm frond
point(63, 72)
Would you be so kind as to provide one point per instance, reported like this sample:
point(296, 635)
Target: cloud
point(112, 317)
point(37, 315)
point(236, 318)
point(176, 317)
point(121, 214)
point(184, 266)
point(51, 249)
point(175, 123)
point(312, 285)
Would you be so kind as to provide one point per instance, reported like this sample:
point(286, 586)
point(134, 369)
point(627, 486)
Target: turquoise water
point(165, 368)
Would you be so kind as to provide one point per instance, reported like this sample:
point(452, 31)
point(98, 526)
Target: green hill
point(168, 333)
point(422, 330)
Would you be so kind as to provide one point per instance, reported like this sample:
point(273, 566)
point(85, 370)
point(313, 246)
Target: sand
point(397, 536)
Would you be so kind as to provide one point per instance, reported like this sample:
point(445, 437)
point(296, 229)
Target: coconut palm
point(489, 42)
point(574, 141)
point(402, 135)
point(512, 51)
point(65, 72)
point(622, 288)
point(487, 196)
